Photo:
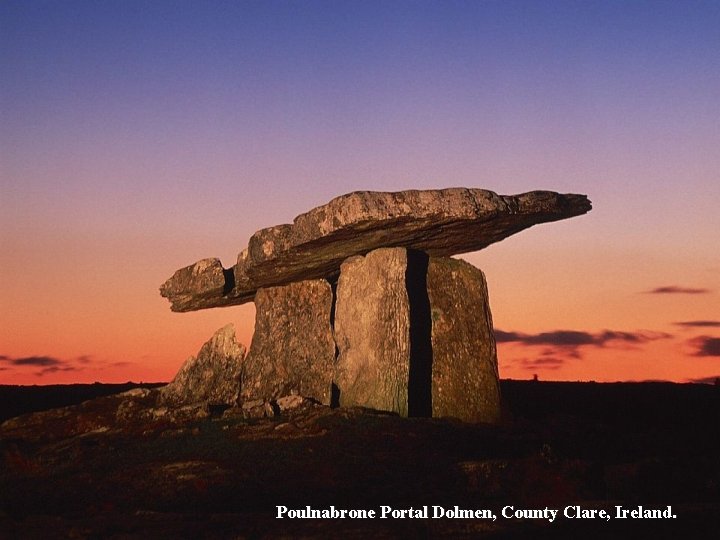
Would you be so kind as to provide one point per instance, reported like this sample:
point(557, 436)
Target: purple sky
point(138, 137)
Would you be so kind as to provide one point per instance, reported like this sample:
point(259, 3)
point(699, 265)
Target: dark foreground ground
point(79, 473)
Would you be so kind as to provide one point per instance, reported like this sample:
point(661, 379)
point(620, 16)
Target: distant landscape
point(534, 400)
point(16, 400)
point(598, 445)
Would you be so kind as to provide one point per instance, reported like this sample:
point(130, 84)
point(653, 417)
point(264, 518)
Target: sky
point(139, 137)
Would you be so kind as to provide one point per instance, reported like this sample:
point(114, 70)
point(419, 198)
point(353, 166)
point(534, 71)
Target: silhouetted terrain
point(610, 402)
point(82, 473)
point(17, 400)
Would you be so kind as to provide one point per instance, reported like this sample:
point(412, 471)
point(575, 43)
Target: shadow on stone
point(334, 389)
point(229, 275)
point(421, 355)
point(334, 395)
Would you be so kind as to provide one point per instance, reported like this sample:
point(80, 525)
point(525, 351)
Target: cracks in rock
point(419, 383)
point(334, 389)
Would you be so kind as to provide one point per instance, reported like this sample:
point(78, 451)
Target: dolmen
point(358, 302)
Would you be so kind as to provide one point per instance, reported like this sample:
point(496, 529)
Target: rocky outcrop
point(465, 382)
point(438, 222)
point(372, 331)
point(213, 377)
point(292, 350)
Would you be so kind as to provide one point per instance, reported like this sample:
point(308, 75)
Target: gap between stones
point(421, 354)
point(334, 389)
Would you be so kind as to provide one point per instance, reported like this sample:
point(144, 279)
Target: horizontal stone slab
point(439, 222)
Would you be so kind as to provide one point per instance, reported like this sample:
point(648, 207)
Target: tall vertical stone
point(414, 335)
point(465, 380)
point(292, 349)
point(372, 331)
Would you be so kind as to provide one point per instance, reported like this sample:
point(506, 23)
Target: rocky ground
point(123, 467)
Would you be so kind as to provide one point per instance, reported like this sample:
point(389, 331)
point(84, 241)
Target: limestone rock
point(213, 377)
point(372, 331)
point(193, 286)
point(439, 222)
point(292, 349)
point(256, 408)
point(136, 393)
point(465, 382)
point(288, 403)
point(131, 410)
point(414, 335)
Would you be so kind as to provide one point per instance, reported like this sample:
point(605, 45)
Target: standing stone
point(372, 331)
point(414, 335)
point(292, 350)
point(465, 380)
point(213, 377)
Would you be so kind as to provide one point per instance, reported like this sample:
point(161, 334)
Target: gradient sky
point(139, 137)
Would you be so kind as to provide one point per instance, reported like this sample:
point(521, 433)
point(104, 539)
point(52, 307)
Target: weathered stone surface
point(141, 410)
point(288, 403)
point(213, 377)
point(292, 350)
point(256, 408)
point(415, 337)
point(196, 285)
point(439, 222)
point(372, 331)
point(136, 393)
point(465, 382)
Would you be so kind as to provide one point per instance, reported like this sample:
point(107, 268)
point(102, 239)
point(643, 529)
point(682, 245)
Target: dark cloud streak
point(42, 361)
point(706, 346)
point(575, 338)
point(675, 289)
point(506, 337)
point(49, 364)
point(55, 369)
point(561, 338)
point(698, 324)
point(545, 362)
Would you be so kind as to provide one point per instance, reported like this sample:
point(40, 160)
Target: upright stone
point(292, 349)
point(464, 368)
point(415, 336)
point(212, 377)
point(372, 331)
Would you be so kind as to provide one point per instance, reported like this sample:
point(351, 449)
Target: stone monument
point(358, 302)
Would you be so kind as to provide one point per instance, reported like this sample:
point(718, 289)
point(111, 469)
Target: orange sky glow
point(135, 140)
